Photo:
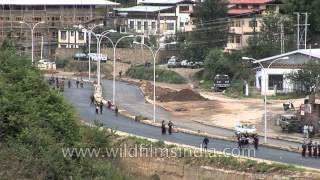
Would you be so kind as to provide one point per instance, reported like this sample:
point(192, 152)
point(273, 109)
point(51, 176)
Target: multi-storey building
point(245, 20)
point(59, 18)
point(157, 16)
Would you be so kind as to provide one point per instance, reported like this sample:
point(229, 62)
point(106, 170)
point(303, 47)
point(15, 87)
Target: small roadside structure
point(275, 78)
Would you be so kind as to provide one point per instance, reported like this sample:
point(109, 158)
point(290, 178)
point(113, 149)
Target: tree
point(308, 76)
point(268, 41)
point(210, 20)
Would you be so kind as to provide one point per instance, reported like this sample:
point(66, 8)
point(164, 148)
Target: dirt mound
point(182, 95)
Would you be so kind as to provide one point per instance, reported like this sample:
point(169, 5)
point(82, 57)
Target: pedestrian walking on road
point(116, 111)
point(256, 142)
point(205, 143)
point(97, 109)
point(163, 128)
point(77, 83)
point(304, 148)
point(315, 150)
point(318, 149)
point(120, 74)
point(309, 146)
point(170, 125)
point(81, 84)
point(92, 99)
point(109, 104)
point(101, 107)
point(69, 84)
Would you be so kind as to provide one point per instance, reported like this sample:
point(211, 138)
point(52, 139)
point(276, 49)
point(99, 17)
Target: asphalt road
point(80, 99)
point(131, 98)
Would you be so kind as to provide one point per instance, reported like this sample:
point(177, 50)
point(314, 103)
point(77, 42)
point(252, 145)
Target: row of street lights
point(100, 37)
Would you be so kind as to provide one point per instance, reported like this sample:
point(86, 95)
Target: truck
point(289, 123)
point(221, 82)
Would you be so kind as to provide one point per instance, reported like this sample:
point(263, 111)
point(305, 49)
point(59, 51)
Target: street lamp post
point(114, 45)
point(100, 37)
point(154, 55)
point(32, 30)
point(90, 31)
point(265, 88)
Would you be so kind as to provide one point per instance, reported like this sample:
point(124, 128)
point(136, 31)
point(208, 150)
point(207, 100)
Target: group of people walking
point(99, 105)
point(244, 140)
point(313, 149)
point(164, 129)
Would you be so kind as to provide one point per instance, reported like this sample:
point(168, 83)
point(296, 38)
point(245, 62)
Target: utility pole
point(305, 30)
point(298, 30)
point(303, 36)
point(282, 39)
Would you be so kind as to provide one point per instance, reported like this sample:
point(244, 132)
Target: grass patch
point(206, 84)
point(162, 75)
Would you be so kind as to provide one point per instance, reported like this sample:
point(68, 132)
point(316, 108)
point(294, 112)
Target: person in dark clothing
point(69, 83)
point(97, 109)
point(205, 143)
point(116, 110)
point(77, 83)
point(163, 128)
point(309, 146)
point(239, 141)
point(109, 104)
point(92, 99)
point(101, 107)
point(318, 149)
point(170, 125)
point(120, 74)
point(304, 148)
point(315, 150)
point(81, 84)
point(256, 142)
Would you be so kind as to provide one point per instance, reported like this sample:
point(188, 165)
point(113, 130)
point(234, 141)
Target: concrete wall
point(133, 55)
point(173, 169)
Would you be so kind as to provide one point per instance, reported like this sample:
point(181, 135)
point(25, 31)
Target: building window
point(72, 33)
point(181, 24)
point(54, 34)
point(37, 35)
point(238, 39)
point(237, 23)
point(252, 23)
point(145, 24)
point(184, 9)
point(19, 18)
point(63, 35)
point(153, 25)
point(7, 18)
point(81, 36)
point(170, 26)
point(275, 80)
point(255, 6)
point(131, 24)
point(231, 39)
point(37, 19)
point(139, 25)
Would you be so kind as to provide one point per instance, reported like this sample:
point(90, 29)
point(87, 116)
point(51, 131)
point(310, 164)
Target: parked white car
point(96, 57)
point(245, 128)
point(45, 64)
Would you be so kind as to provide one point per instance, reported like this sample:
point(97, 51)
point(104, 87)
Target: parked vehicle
point(96, 57)
point(80, 56)
point(245, 128)
point(221, 82)
point(45, 64)
point(290, 123)
point(184, 63)
point(173, 62)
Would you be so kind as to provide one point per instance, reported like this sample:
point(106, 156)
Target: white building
point(276, 75)
point(158, 16)
point(71, 38)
